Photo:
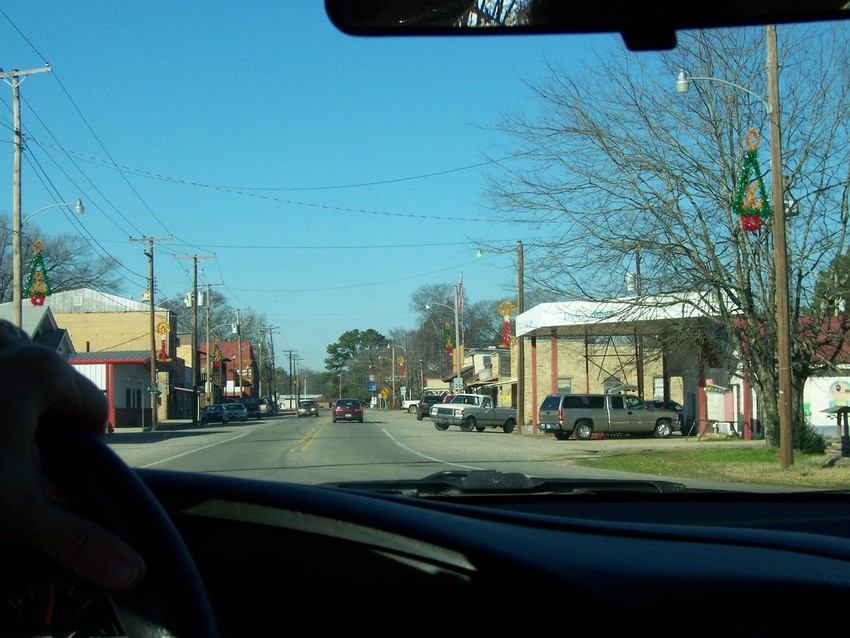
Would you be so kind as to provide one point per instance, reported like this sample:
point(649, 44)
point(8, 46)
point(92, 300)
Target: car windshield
point(236, 201)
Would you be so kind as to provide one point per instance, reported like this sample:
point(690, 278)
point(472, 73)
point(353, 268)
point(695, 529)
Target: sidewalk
point(162, 426)
point(170, 425)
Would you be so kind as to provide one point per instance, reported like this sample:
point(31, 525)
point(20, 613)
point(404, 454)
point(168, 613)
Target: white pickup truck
point(410, 405)
point(473, 412)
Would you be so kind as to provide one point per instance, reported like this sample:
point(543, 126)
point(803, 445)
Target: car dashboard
point(283, 557)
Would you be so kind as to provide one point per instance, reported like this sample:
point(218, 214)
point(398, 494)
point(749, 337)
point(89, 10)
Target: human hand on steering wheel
point(46, 392)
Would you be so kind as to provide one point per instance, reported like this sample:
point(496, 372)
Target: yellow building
point(100, 322)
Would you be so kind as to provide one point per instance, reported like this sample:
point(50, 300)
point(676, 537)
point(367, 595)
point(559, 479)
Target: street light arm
point(458, 362)
point(683, 85)
point(17, 266)
point(78, 208)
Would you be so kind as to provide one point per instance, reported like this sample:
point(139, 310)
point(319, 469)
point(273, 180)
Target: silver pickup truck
point(584, 414)
point(473, 412)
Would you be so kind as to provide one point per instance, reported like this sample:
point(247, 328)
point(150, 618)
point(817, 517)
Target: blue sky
point(323, 178)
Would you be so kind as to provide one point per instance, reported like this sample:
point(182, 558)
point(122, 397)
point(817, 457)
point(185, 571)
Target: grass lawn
point(751, 465)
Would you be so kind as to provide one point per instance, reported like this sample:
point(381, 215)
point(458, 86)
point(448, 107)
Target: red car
point(348, 410)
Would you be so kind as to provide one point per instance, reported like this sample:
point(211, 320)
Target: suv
point(266, 406)
point(586, 414)
point(348, 410)
point(423, 408)
point(253, 406)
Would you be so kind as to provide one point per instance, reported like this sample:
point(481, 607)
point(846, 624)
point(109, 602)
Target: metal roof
point(114, 356)
point(617, 316)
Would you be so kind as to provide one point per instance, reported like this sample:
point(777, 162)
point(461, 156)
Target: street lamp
point(780, 248)
point(683, 85)
point(458, 385)
point(17, 269)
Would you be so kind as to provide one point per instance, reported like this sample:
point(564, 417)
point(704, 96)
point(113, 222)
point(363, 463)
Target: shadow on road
point(122, 438)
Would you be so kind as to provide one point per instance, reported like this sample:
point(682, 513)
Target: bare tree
point(480, 325)
point(69, 261)
point(617, 164)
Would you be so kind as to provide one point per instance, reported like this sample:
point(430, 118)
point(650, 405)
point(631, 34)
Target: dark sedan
point(213, 413)
point(308, 407)
point(348, 410)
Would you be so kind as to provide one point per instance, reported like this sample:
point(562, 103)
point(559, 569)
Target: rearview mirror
point(644, 25)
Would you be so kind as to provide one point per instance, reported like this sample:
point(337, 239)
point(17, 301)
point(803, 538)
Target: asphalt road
point(388, 445)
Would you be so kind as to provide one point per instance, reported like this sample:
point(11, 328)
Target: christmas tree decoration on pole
point(450, 345)
point(751, 202)
point(38, 285)
point(216, 355)
point(506, 309)
point(163, 329)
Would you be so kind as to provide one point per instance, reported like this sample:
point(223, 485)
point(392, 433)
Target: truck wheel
point(584, 430)
point(561, 435)
point(468, 425)
point(441, 427)
point(412, 409)
point(508, 426)
point(663, 429)
point(418, 416)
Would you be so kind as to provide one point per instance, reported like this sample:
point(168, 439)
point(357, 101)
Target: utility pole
point(153, 389)
point(260, 363)
point(639, 337)
point(239, 346)
point(14, 78)
point(458, 387)
point(296, 359)
point(196, 364)
point(264, 330)
point(291, 354)
point(520, 367)
point(208, 398)
point(271, 331)
point(780, 256)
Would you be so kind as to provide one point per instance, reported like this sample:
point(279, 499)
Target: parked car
point(308, 407)
point(585, 414)
point(236, 412)
point(213, 413)
point(423, 408)
point(678, 408)
point(267, 407)
point(473, 412)
point(446, 398)
point(348, 410)
point(410, 405)
point(252, 405)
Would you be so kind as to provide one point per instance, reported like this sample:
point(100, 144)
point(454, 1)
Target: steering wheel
point(172, 600)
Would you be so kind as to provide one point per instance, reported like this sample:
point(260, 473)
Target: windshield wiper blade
point(493, 483)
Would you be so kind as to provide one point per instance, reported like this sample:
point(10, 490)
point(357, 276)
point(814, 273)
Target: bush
point(804, 438)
